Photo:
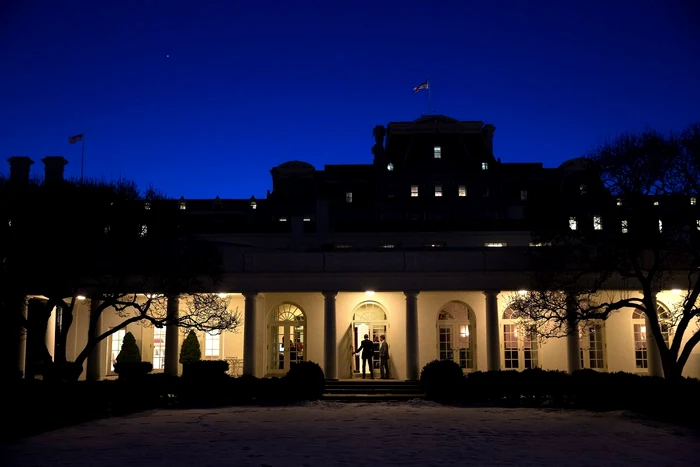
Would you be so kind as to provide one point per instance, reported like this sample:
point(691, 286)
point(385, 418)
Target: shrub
point(129, 352)
point(441, 380)
point(304, 381)
point(208, 369)
point(190, 352)
point(132, 370)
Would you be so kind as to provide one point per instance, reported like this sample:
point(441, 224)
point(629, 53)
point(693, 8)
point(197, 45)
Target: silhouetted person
point(383, 358)
point(367, 349)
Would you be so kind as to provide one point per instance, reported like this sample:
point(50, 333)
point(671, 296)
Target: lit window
point(435, 245)
point(437, 152)
point(158, 348)
point(495, 244)
point(693, 201)
point(115, 346)
point(624, 227)
point(390, 167)
point(484, 166)
point(307, 219)
point(573, 225)
point(283, 219)
point(9, 223)
point(108, 228)
point(697, 222)
point(183, 205)
point(143, 230)
point(147, 206)
point(584, 189)
point(656, 203)
point(619, 201)
point(348, 197)
point(597, 223)
point(536, 244)
point(211, 344)
point(661, 226)
point(387, 245)
point(462, 190)
point(438, 190)
point(523, 195)
point(253, 205)
point(414, 191)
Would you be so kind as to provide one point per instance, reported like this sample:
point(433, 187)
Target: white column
point(50, 336)
point(171, 364)
point(573, 338)
point(653, 354)
point(249, 334)
point(493, 344)
point(95, 361)
point(412, 370)
point(330, 358)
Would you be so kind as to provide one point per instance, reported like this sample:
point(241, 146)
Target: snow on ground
point(414, 433)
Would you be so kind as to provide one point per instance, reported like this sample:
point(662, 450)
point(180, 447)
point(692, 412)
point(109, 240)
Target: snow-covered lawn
point(413, 433)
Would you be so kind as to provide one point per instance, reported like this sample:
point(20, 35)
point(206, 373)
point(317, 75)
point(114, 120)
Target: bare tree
point(633, 231)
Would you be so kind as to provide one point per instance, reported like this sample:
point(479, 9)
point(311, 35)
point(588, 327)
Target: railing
point(235, 366)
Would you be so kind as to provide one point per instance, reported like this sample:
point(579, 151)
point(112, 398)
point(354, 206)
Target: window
point(484, 166)
point(438, 190)
point(212, 341)
point(147, 206)
point(435, 245)
point(656, 203)
point(283, 219)
point(624, 227)
point(253, 205)
point(456, 334)
point(592, 347)
point(495, 244)
point(108, 229)
point(414, 191)
point(597, 223)
point(183, 204)
point(523, 195)
point(583, 189)
point(462, 190)
point(115, 346)
point(348, 197)
point(693, 201)
point(520, 346)
point(143, 230)
point(573, 225)
point(437, 152)
point(307, 219)
point(390, 167)
point(697, 224)
point(387, 245)
point(158, 348)
point(661, 226)
point(619, 201)
point(641, 356)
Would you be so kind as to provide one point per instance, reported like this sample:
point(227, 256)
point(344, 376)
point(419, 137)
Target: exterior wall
point(618, 331)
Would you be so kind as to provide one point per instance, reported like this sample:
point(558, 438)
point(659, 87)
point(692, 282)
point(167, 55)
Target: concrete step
point(371, 397)
point(382, 389)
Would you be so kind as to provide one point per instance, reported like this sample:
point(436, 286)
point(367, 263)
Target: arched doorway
point(287, 337)
point(368, 318)
point(456, 336)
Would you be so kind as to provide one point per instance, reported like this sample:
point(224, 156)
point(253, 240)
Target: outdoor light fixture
point(369, 292)
point(676, 291)
point(522, 292)
point(222, 295)
point(80, 297)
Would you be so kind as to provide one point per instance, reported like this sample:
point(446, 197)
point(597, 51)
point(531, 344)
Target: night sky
point(249, 85)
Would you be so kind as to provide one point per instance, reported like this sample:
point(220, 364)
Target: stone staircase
point(368, 390)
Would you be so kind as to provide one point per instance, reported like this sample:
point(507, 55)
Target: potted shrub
point(129, 364)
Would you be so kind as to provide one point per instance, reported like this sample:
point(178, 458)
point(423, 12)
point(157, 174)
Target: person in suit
point(383, 358)
point(367, 349)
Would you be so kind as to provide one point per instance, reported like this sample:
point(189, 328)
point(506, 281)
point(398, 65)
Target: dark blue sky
point(249, 85)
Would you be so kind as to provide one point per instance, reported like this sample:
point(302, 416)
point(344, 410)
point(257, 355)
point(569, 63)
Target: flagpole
point(82, 159)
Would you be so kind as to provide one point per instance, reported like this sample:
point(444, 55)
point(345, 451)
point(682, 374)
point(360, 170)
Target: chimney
point(53, 168)
point(19, 169)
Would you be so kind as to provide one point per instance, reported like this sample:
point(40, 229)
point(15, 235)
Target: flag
point(423, 85)
point(75, 139)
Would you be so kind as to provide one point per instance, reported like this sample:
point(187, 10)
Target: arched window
point(520, 346)
point(639, 328)
point(456, 334)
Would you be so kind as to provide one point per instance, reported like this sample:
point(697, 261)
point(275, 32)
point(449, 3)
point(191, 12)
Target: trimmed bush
point(129, 364)
point(442, 380)
point(190, 352)
point(305, 381)
point(208, 369)
point(129, 352)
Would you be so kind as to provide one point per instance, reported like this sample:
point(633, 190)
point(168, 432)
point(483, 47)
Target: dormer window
point(462, 190)
point(438, 190)
point(147, 206)
point(414, 191)
point(390, 167)
point(143, 230)
point(693, 201)
point(253, 205)
point(597, 223)
point(625, 228)
point(437, 152)
point(619, 201)
point(183, 204)
point(573, 225)
point(348, 197)
point(656, 203)
point(484, 166)
point(661, 226)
